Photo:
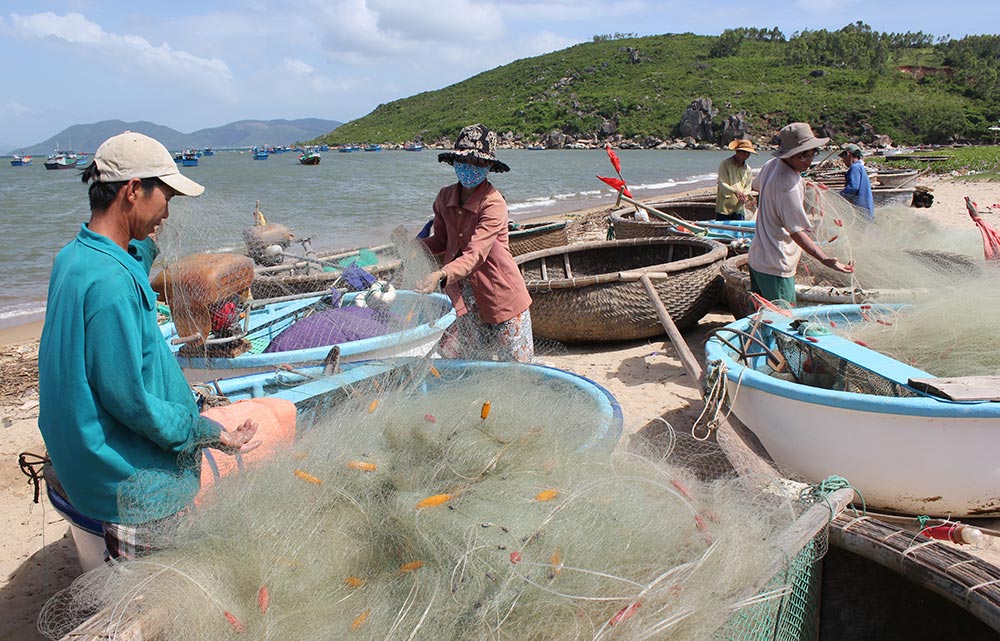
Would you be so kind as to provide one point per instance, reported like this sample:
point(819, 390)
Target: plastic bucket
point(88, 534)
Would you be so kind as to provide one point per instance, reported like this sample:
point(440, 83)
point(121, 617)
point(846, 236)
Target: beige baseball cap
point(133, 155)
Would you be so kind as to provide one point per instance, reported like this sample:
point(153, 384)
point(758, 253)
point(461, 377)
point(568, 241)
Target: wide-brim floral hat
point(475, 141)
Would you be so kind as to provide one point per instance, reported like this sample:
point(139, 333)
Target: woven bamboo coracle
point(590, 292)
point(626, 226)
point(537, 236)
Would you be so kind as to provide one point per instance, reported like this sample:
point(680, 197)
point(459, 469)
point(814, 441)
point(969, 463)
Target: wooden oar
point(736, 443)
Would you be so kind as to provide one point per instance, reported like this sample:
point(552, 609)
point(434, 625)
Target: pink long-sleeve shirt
point(473, 239)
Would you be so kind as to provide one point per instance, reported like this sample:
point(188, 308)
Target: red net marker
point(991, 238)
point(617, 184)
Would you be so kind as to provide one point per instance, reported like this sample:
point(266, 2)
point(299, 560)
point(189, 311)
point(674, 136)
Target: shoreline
point(28, 326)
point(948, 204)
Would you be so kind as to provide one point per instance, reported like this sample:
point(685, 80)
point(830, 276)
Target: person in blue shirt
point(118, 418)
point(858, 187)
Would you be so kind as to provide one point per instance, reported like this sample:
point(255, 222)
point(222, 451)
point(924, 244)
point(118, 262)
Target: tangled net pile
point(443, 505)
point(905, 257)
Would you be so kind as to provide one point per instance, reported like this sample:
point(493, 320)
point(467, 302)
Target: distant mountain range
point(242, 133)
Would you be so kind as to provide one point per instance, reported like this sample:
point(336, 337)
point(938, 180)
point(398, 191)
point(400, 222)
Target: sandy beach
point(37, 557)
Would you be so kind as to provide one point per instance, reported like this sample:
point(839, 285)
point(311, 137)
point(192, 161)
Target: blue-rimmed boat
point(822, 404)
point(313, 391)
point(187, 158)
point(423, 319)
point(373, 147)
point(20, 161)
point(259, 154)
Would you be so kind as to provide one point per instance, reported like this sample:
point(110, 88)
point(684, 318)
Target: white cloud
point(128, 54)
point(297, 67)
point(72, 27)
point(466, 21)
point(13, 109)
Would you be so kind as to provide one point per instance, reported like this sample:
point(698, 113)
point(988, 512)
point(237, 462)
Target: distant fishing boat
point(310, 158)
point(373, 147)
point(20, 161)
point(344, 149)
point(61, 159)
point(186, 158)
point(259, 154)
point(413, 146)
point(208, 151)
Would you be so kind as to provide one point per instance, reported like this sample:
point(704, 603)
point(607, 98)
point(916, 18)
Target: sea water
point(348, 200)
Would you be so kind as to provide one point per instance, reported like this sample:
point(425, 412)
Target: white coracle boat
point(823, 404)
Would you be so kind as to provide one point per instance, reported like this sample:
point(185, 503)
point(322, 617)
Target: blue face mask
point(470, 175)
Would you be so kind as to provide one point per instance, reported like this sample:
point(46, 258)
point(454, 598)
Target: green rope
point(820, 492)
point(922, 520)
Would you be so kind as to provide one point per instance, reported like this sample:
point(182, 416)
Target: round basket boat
point(525, 238)
point(590, 292)
point(626, 226)
point(895, 178)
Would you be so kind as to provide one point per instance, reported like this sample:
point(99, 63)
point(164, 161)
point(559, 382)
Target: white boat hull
point(903, 450)
point(910, 464)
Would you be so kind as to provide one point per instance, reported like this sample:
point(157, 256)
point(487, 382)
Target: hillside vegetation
point(852, 83)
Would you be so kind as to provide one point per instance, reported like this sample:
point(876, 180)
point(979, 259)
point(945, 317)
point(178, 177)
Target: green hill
point(854, 83)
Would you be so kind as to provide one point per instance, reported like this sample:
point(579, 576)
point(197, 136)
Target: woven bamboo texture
point(590, 292)
point(967, 581)
point(626, 226)
point(536, 237)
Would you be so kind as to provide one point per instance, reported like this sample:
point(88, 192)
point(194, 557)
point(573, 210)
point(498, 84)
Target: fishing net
point(457, 501)
point(235, 283)
point(905, 256)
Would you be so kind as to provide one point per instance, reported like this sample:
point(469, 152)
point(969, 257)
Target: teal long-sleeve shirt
point(118, 418)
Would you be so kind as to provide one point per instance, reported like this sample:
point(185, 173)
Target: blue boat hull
point(312, 392)
point(265, 324)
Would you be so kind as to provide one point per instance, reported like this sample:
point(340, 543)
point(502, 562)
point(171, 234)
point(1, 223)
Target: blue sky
point(193, 64)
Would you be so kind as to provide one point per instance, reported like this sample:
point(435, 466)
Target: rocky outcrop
point(697, 120)
point(554, 139)
point(734, 127)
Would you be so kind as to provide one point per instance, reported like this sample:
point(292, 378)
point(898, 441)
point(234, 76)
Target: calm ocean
point(348, 200)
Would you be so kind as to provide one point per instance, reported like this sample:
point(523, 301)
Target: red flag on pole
point(615, 161)
point(991, 238)
point(617, 184)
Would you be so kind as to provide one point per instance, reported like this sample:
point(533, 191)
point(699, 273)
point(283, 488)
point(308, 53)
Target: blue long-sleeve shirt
point(118, 418)
point(858, 189)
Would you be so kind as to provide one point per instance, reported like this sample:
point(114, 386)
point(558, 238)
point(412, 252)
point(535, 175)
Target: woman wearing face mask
point(479, 273)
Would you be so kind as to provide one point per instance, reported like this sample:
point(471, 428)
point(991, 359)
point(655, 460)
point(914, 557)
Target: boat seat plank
point(962, 388)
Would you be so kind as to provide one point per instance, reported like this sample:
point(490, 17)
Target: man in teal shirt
point(118, 418)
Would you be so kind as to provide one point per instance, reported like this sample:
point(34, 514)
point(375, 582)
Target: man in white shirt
point(782, 225)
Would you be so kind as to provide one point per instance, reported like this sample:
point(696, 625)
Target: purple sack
point(333, 327)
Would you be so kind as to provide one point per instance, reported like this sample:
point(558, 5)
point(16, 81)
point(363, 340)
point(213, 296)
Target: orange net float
point(275, 420)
